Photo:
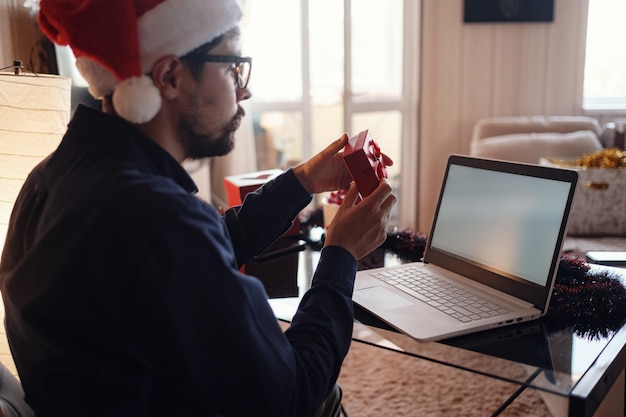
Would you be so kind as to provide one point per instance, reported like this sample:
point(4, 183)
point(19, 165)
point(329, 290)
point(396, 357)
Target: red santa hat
point(116, 42)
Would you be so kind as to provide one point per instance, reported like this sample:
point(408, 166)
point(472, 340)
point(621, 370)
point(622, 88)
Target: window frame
point(406, 104)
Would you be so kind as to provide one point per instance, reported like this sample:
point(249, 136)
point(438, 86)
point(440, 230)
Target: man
point(122, 289)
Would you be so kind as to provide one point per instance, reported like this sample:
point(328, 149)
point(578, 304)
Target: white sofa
point(529, 138)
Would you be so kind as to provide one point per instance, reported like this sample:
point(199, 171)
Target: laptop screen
point(505, 221)
point(505, 218)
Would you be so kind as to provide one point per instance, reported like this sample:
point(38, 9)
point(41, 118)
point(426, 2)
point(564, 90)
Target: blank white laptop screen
point(480, 209)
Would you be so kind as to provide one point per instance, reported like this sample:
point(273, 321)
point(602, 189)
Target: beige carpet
point(381, 383)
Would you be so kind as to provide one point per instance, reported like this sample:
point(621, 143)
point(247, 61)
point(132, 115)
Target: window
point(605, 60)
point(325, 67)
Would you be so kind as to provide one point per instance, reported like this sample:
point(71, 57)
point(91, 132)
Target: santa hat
point(116, 42)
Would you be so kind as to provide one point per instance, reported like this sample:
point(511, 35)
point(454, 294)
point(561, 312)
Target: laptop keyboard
point(445, 296)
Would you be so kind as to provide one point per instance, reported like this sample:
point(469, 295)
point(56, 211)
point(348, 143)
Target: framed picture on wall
point(481, 11)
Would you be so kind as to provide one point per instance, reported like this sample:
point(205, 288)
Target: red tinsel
point(408, 245)
point(590, 301)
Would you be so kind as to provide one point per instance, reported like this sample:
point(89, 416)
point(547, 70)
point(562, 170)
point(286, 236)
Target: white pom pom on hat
point(137, 99)
point(113, 58)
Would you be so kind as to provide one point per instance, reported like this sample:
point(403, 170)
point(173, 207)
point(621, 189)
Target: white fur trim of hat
point(117, 42)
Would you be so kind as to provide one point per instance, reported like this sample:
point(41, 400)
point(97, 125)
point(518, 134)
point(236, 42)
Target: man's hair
point(195, 67)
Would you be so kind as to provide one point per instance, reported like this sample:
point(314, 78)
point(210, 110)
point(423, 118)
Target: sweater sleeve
point(224, 342)
point(321, 329)
point(265, 215)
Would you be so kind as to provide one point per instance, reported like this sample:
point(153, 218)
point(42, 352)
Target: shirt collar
point(117, 133)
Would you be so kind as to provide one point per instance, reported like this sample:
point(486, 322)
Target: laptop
point(495, 245)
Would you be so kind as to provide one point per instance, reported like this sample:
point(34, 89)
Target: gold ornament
point(605, 158)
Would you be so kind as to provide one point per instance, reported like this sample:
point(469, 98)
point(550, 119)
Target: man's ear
point(167, 76)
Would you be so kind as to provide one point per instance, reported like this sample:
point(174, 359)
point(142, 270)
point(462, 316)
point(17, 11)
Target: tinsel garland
point(591, 302)
point(611, 158)
point(407, 245)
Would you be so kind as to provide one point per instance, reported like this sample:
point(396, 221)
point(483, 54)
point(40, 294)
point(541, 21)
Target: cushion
point(498, 126)
point(530, 147)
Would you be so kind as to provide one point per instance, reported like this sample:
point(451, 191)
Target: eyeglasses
point(242, 68)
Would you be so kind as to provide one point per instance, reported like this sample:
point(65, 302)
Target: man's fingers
point(337, 145)
point(352, 196)
point(382, 191)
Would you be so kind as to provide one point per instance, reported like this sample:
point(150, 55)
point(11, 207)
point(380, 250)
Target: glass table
point(573, 371)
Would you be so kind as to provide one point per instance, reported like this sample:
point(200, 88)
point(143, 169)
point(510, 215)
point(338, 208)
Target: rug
point(381, 383)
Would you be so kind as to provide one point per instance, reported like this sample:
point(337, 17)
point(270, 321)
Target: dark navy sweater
point(124, 297)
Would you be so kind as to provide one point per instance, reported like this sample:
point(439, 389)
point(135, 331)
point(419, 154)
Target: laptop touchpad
point(382, 298)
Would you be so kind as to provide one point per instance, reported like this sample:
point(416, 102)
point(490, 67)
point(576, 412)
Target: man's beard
point(206, 145)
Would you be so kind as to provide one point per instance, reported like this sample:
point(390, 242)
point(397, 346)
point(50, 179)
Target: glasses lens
point(243, 74)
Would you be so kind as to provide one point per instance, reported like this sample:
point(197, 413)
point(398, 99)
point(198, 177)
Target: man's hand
point(361, 228)
point(326, 171)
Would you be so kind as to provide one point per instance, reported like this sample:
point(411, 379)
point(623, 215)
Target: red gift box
point(238, 186)
point(364, 161)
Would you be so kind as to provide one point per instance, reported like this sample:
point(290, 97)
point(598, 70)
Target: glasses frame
point(232, 59)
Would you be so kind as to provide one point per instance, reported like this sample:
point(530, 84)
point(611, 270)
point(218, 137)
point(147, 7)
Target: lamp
point(34, 113)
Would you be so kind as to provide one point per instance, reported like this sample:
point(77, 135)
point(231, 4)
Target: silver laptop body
point(497, 232)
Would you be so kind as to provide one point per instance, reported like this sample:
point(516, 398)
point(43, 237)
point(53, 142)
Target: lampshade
point(34, 113)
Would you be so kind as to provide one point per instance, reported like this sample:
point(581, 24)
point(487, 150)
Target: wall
point(21, 39)
point(470, 71)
